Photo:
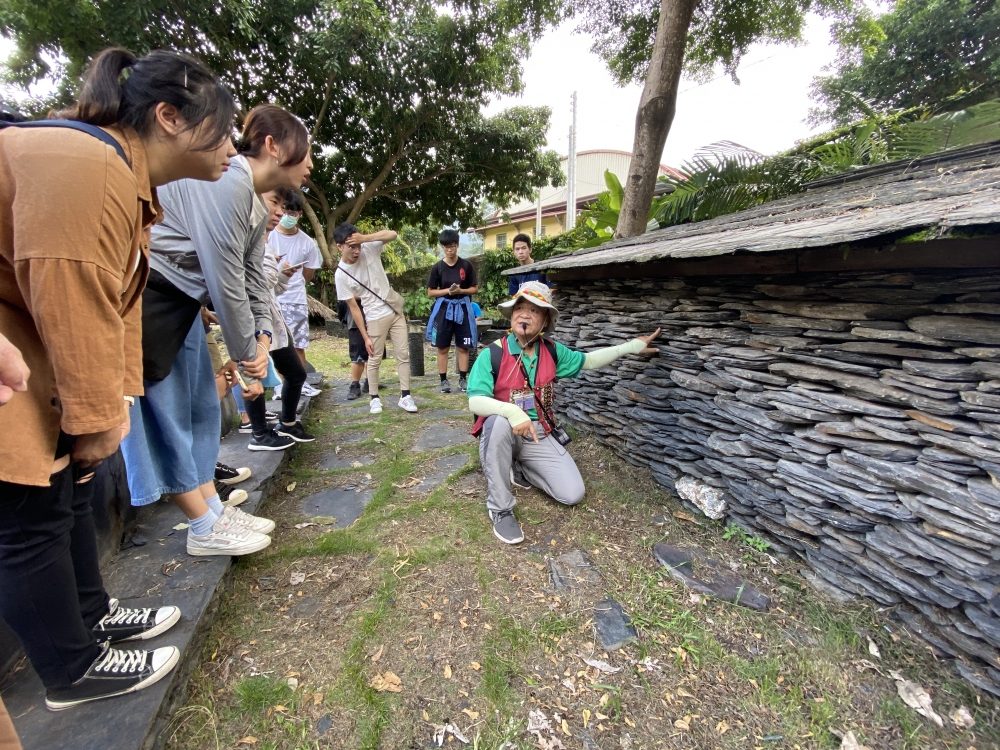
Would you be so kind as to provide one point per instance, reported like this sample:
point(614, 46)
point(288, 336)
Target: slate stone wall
point(852, 420)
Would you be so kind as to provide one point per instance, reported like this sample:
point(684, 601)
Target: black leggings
point(286, 362)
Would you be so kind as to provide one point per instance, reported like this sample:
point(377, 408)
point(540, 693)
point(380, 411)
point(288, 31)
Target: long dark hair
point(285, 128)
point(121, 89)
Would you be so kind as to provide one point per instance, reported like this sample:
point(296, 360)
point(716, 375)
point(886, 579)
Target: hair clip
point(185, 76)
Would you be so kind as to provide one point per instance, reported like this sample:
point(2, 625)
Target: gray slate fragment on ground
point(614, 628)
point(697, 571)
point(333, 462)
point(573, 571)
point(441, 470)
point(344, 505)
point(442, 436)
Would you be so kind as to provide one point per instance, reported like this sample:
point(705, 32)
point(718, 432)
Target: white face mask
point(289, 222)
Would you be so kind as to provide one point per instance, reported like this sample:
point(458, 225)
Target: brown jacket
point(74, 257)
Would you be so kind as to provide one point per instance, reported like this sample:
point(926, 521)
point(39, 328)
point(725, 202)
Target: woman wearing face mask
point(209, 248)
point(75, 214)
point(286, 360)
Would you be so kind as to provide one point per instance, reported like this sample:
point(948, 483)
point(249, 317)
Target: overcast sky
point(765, 112)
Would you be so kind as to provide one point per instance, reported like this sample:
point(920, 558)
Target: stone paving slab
point(343, 504)
point(333, 462)
point(354, 437)
point(158, 572)
point(442, 436)
point(440, 470)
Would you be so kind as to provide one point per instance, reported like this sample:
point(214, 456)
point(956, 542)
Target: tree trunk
point(324, 247)
point(655, 114)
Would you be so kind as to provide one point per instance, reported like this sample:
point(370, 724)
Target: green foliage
point(919, 54)
point(392, 90)
point(417, 304)
point(721, 31)
point(257, 694)
point(601, 217)
point(735, 532)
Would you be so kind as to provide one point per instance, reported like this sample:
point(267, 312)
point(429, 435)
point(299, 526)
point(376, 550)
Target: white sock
point(203, 525)
point(215, 504)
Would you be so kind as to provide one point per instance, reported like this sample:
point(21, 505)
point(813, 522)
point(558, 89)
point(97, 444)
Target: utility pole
point(538, 216)
point(571, 169)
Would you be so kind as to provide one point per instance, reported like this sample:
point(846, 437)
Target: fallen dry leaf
point(476, 665)
point(305, 525)
point(683, 724)
point(447, 671)
point(586, 717)
point(470, 713)
point(248, 740)
point(601, 666)
point(181, 527)
point(297, 577)
point(464, 622)
point(629, 722)
point(962, 718)
point(427, 716)
point(386, 683)
point(317, 698)
point(378, 654)
point(850, 742)
point(437, 615)
point(290, 487)
point(722, 727)
point(565, 728)
point(873, 649)
point(917, 698)
point(685, 516)
point(684, 693)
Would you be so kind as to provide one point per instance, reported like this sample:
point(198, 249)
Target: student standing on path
point(357, 351)
point(360, 275)
point(452, 282)
point(209, 247)
point(285, 358)
point(74, 233)
point(522, 251)
point(297, 252)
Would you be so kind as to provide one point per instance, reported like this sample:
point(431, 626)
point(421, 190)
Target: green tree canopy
point(919, 54)
point(392, 90)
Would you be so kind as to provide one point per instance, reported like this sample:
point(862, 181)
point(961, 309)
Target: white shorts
point(297, 318)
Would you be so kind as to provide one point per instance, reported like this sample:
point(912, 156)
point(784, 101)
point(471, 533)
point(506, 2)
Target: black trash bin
point(416, 334)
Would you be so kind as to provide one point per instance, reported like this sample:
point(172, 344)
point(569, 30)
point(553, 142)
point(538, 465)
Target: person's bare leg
point(192, 504)
point(463, 360)
point(443, 360)
point(302, 356)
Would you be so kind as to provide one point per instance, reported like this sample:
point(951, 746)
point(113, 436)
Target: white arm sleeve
point(606, 356)
point(484, 406)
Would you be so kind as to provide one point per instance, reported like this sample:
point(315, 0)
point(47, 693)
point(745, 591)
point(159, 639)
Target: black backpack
point(83, 127)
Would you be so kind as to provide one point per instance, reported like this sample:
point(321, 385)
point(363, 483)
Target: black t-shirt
point(443, 276)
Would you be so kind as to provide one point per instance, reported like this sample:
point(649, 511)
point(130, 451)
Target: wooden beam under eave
point(982, 252)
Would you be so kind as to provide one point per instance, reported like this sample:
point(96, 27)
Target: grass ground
point(418, 587)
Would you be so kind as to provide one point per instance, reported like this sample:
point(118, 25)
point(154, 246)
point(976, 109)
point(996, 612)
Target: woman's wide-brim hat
point(538, 294)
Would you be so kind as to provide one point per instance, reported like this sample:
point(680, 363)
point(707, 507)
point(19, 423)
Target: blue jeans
point(174, 441)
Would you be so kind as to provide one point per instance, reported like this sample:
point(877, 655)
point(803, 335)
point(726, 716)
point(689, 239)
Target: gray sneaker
point(445, 387)
point(506, 528)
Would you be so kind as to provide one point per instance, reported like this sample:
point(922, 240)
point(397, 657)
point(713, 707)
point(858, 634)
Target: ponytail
point(121, 89)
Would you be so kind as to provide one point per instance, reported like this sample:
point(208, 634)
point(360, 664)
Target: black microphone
point(524, 328)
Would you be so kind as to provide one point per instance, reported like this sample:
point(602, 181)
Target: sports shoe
point(246, 428)
point(115, 672)
point(376, 405)
point(364, 385)
point(229, 475)
point(310, 391)
point(445, 387)
point(234, 498)
point(462, 385)
point(270, 441)
point(272, 417)
point(407, 403)
point(354, 391)
point(506, 528)
point(295, 432)
point(260, 525)
point(128, 624)
point(517, 477)
point(227, 538)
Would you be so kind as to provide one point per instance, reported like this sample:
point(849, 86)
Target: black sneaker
point(354, 391)
point(127, 624)
point(462, 385)
point(517, 477)
point(271, 417)
point(506, 528)
point(445, 387)
point(229, 475)
point(270, 441)
point(115, 672)
point(364, 385)
point(295, 432)
point(246, 428)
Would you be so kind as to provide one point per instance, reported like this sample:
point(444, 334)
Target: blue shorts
point(173, 443)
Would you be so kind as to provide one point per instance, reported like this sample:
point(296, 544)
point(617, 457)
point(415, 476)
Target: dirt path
point(318, 626)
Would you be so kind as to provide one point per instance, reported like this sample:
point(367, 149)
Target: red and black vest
point(508, 377)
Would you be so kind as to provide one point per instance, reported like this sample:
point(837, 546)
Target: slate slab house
point(830, 369)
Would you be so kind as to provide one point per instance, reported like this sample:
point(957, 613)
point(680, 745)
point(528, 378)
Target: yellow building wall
point(552, 226)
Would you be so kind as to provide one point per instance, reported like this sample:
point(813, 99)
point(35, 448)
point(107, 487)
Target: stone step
point(156, 573)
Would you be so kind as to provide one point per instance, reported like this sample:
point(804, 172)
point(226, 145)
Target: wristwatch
point(270, 336)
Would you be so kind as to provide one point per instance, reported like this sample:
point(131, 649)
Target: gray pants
point(545, 464)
